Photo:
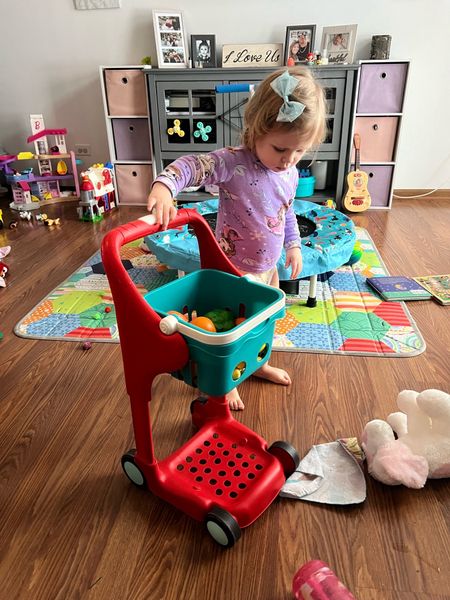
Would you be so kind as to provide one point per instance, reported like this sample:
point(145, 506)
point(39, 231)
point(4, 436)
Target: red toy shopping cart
point(225, 475)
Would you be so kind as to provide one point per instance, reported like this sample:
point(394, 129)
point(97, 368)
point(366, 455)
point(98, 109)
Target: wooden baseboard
point(416, 192)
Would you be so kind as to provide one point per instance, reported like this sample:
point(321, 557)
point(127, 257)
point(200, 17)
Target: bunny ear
point(395, 464)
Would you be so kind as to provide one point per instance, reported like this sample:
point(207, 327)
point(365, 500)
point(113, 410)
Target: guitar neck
point(357, 164)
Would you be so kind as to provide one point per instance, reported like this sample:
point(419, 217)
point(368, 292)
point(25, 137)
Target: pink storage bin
point(378, 135)
point(133, 183)
point(126, 92)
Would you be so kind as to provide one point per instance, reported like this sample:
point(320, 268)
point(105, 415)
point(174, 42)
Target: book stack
point(401, 288)
point(437, 285)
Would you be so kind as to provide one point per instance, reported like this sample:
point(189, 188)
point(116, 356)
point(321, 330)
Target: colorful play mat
point(349, 318)
point(81, 308)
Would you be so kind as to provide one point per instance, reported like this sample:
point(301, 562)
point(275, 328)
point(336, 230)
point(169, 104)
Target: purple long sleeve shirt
point(255, 216)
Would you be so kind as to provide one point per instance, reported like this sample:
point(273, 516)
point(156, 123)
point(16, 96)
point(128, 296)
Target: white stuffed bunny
point(422, 449)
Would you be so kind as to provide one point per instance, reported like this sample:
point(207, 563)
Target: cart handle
point(125, 294)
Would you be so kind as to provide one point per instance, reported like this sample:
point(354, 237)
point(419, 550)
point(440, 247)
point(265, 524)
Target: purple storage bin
point(131, 139)
point(379, 186)
point(381, 87)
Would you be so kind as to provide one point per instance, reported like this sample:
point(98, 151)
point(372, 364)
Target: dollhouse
point(97, 194)
point(31, 190)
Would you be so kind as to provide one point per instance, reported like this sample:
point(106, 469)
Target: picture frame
point(339, 42)
point(170, 39)
point(301, 37)
point(203, 51)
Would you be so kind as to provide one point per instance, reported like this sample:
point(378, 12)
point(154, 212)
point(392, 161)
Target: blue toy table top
point(328, 239)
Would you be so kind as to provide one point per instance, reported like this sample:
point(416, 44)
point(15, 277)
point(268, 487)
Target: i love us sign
point(252, 55)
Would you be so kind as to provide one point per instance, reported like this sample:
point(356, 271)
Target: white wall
point(50, 56)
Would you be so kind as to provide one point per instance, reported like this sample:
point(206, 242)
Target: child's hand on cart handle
point(161, 203)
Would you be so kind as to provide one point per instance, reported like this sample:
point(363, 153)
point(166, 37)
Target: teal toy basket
point(305, 187)
point(218, 362)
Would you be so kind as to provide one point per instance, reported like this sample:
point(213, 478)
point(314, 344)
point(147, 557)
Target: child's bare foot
point(234, 400)
point(273, 374)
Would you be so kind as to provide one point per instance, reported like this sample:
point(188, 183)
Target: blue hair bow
point(284, 85)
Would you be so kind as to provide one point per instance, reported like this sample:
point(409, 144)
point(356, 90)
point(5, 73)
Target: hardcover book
point(437, 285)
point(398, 288)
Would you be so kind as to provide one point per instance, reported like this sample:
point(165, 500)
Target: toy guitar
point(357, 197)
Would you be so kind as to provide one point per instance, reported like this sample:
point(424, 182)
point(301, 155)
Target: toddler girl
point(257, 183)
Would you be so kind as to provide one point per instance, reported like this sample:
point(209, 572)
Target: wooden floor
point(71, 524)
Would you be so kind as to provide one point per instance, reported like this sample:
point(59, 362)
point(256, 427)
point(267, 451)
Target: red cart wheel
point(132, 471)
point(287, 455)
point(222, 527)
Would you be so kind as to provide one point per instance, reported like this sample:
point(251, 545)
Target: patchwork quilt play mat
point(349, 318)
point(82, 308)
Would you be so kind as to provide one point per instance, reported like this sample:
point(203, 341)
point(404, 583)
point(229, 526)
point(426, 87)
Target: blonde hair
point(262, 110)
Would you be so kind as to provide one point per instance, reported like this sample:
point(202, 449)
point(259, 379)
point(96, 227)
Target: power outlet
point(83, 149)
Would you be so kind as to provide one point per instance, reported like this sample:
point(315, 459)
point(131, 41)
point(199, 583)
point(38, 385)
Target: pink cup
point(316, 581)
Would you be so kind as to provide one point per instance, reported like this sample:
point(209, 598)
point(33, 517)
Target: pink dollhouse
point(31, 190)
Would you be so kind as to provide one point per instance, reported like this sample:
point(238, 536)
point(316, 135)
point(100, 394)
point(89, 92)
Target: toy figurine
point(25, 214)
point(4, 251)
point(4, 269)
point(310, 58)
point(51, 222)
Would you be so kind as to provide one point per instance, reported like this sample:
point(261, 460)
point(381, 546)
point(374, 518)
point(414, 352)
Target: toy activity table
point(328, 239)
point(226, 475)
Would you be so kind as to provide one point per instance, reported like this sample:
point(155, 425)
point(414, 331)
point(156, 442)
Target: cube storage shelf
point(153, 116)
point(127, 125)
point(379, 102)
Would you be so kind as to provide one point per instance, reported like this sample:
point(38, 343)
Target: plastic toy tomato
point(204, 323)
